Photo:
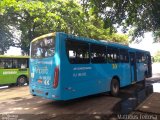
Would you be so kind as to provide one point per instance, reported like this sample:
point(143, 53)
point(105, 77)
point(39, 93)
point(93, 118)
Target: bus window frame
point(112, 50)
point(11, 59)
point(105, 55)
point(67, 51)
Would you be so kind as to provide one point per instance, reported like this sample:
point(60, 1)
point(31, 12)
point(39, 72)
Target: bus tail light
point(56, 77)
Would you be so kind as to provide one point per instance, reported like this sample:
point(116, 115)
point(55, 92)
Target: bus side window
point(22, 63)
point(78, 52)
point(123, 56)
point(1, 63)
point(112, 54)
point(9, 62)
point(98, 54)
point(140, 57)
point(23, 66)
point(15, 65)
point(6, 63)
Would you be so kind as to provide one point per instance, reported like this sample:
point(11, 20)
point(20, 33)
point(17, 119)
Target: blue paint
point(78, 80)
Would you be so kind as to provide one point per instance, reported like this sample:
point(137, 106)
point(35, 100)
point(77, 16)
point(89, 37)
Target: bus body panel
point(141, 69)
point(124, 73)
point(78, 79)
point(82, 81)
point(88, 79)
point(9, 76)
point(42, 75)
point(42, 72)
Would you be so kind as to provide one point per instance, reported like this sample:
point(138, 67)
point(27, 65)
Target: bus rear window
point(43, 48)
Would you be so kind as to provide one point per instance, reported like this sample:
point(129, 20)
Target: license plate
point(39, 81)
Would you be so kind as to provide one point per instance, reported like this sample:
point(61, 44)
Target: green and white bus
point(14, 70)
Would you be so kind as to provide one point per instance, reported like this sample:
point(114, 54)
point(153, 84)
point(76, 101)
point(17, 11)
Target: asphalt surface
point(151, 104)
point(17, 103)
point(17, 100)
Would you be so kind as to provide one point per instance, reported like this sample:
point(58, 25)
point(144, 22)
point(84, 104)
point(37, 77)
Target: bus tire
point(114, 87)
point(21, 80)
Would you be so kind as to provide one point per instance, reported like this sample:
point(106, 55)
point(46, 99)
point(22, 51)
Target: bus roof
point(102, 42)
point(12, 56)
point(105, 42)
point(43, 36)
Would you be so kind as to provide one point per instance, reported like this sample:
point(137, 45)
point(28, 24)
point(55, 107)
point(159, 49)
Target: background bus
point(64, 66)
point(14, 70)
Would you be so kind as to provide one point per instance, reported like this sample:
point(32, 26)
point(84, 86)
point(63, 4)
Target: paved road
point(156, 68)
point(17, 100)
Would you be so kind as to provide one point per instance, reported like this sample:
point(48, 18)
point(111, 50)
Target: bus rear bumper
point(48, 93)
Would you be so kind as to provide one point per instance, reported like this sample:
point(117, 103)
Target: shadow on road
point(127, 105)
point(90, 107)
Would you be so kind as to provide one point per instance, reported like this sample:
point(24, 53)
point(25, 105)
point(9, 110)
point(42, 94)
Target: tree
point(6, 36)
point(157, 57)
point(95, 26)
point(141, 15)
point(34, 18)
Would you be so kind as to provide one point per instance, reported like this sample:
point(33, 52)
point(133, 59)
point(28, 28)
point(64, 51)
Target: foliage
point(6, 37)
point(141, 15)
point(34, 18)
point(157, 57)
point(96, 31)
point(156, 37)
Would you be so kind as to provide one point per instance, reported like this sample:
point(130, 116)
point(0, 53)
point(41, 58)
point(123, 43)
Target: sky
point(13, 51)
point(145, 44)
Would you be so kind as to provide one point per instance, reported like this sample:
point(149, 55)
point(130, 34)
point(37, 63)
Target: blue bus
point(64, 67)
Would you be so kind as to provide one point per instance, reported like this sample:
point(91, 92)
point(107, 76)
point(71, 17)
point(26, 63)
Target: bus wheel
point(21, 80)
point(114, 87)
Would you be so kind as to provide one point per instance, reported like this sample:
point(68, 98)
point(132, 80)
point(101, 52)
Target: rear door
point(133, 66)
point(149, 65)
